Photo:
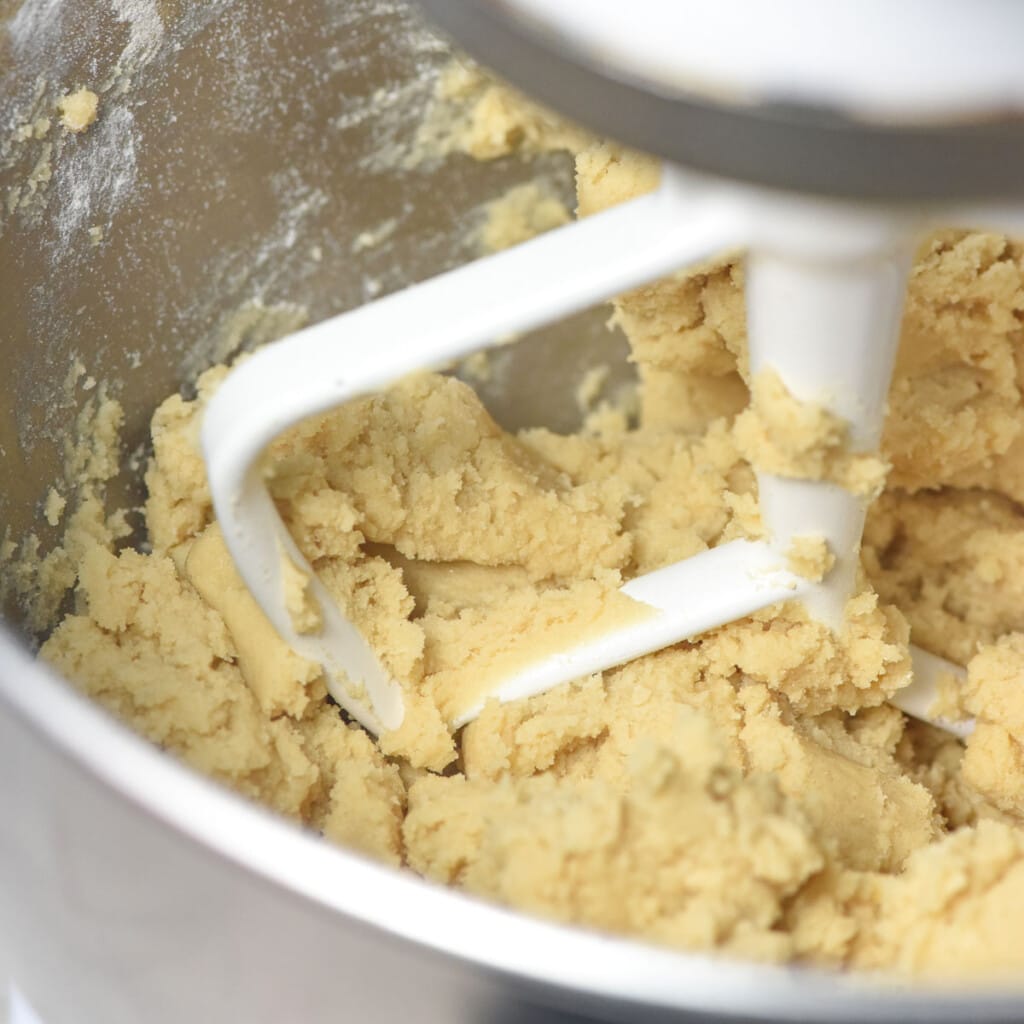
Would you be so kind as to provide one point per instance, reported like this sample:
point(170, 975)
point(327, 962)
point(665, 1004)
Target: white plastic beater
point(825, 285)
point(825, 281)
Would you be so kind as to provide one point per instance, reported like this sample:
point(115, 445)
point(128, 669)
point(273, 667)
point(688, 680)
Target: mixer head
point(919, 100)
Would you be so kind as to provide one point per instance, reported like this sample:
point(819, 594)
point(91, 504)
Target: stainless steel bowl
point(237, 156)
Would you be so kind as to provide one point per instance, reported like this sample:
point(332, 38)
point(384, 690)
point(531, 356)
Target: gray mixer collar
point(789, 146)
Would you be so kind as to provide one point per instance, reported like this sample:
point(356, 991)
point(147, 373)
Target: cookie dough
point(751, 792)
point(78, 109)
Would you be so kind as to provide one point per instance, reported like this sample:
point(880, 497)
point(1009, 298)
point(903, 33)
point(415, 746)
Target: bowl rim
point(549, 955)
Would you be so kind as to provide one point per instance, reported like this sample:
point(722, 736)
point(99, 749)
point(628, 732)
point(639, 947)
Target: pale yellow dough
point(778, 434)
point(751, 792)
point(79, 109)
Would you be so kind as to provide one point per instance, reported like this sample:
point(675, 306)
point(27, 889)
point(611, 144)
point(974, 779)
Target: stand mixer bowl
point(130, 888)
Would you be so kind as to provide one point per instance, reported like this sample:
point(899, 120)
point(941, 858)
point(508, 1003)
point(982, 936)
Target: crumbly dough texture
point(780, 435)
point(751, 792)
point(520, 214)
point(78, 109)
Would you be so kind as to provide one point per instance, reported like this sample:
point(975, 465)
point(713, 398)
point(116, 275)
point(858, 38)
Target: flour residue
point(36, 24)
point(84, 182)
point(95, 179)
point(146, 30)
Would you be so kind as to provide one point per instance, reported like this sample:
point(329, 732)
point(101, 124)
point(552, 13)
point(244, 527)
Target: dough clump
point(79, 109)
point(750, 792)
